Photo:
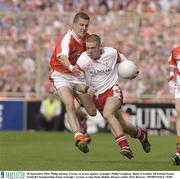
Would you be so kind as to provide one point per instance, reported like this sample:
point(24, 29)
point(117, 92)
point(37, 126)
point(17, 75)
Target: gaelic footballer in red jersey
point(68, 44)
point(174, 65)
point(64, 75)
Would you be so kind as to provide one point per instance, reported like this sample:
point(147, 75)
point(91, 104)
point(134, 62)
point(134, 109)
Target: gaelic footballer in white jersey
point(103, 72)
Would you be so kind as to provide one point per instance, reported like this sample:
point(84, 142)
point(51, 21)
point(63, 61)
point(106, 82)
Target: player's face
point(93, 50)
point(80, 27)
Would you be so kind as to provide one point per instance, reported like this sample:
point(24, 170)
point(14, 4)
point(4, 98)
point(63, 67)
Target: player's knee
point(107, 115)
point(92, 112)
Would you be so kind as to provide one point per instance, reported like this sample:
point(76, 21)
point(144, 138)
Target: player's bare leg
point(139, 133)
point(112, 104)
point(88, 104)
point(67, 98)
point(82, 118)
point(176, 157)
point(84, 105)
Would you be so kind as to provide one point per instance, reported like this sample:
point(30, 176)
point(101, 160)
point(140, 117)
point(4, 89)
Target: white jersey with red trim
point(103, 72)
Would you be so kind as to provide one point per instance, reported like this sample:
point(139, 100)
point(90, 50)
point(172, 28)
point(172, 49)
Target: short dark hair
point(94, 38)
point(81, 15)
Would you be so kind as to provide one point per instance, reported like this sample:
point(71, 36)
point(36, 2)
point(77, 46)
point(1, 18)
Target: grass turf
point(56, 152)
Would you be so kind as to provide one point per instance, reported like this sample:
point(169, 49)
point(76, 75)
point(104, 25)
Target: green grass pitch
point(52, 151)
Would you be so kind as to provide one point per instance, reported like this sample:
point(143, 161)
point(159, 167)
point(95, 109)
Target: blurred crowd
point(143, 30)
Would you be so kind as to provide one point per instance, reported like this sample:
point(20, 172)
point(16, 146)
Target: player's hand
point(74, 70)
point(91, 91)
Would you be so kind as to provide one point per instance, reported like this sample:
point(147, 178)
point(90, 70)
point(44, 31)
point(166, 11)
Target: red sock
point(139, 134)
point(122, 141)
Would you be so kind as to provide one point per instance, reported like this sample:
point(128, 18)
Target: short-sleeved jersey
point(70, 45)
point(174, 59)
point(103, 72)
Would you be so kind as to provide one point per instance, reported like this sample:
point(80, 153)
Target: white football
point(127, 69)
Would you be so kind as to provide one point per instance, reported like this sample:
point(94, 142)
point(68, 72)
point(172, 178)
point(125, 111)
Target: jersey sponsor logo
point(100, 71)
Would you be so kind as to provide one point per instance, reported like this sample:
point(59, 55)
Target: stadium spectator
point(99, 65)
point(64, 75)
point(31, 28)
point(175, 73)
point(49, 118)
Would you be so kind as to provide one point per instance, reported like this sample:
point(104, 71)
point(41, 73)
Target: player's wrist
point(172, 73)
point(71, 67)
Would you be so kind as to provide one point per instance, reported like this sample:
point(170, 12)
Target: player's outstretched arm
point(65, 61)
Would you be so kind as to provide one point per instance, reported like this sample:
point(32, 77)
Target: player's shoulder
point(176, 49)
point(110, 50)
point(66, 36)
point(82, 57)
point(67, 33)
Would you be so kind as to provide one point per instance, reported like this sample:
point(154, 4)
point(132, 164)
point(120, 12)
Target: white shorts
point(177, 92)
point(177, 87)
point(63, 79)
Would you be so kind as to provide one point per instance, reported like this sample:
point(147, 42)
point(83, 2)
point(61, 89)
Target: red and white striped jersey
point(101, 73)
point(174, 59)
point(70, 45)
